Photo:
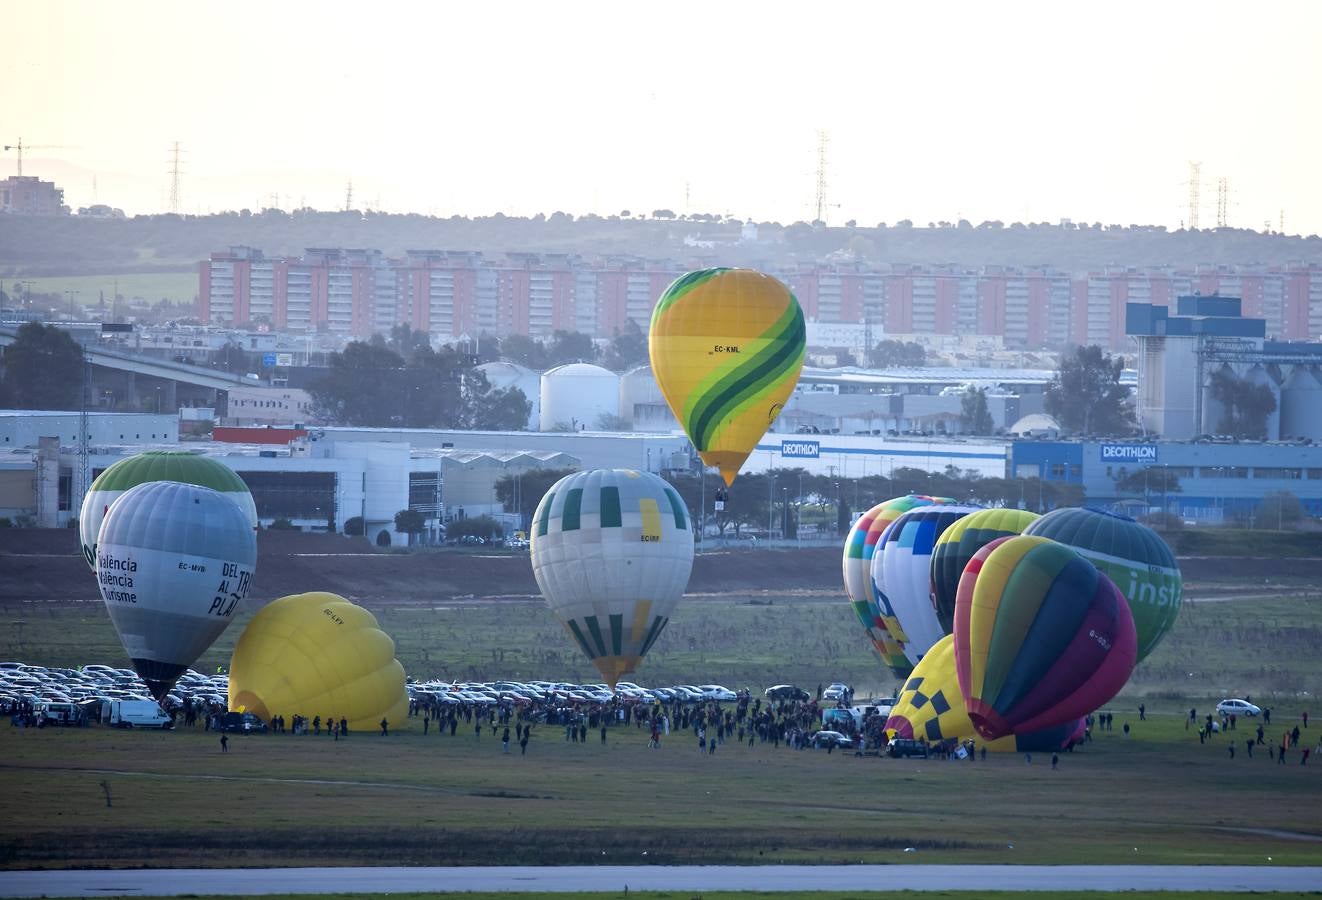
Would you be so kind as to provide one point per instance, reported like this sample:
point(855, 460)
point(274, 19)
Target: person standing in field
point(224, 743)
point(505, 740)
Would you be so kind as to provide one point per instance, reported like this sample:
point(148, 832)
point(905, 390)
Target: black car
point(242, 723)
point(905, 747)
point(786, 692)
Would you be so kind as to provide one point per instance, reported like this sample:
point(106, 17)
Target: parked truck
point(135, 714)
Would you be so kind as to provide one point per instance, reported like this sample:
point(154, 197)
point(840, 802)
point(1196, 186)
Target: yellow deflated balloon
point(318, 654)
point(727, 346)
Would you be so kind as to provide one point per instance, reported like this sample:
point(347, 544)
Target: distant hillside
point(73, 246)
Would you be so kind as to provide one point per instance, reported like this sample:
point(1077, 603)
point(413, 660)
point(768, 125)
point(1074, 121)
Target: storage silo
point(502, 374)
point(577, 396)
point(1301, 404)
point(1259, 376)
point(642, 405)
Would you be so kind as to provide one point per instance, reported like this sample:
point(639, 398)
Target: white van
point(134, 714)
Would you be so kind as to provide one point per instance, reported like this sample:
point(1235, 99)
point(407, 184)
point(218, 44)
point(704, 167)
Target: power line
point(822, 140)
point(174, 179)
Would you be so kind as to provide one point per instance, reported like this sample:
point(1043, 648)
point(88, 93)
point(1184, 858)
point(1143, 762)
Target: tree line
point(792, 501)
point(60, 245)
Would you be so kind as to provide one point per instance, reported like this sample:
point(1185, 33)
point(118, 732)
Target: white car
point(837, 691)
point(1237, 708)
point(716, 692)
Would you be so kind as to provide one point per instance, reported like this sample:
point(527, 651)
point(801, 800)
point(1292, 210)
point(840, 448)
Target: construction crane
point(20, 147)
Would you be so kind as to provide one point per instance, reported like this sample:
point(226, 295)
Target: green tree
point(233, 359)
point(1246, 405)
point(520, 493)
point(484, 527)
point(362, 386)
point(43, 369)
point(891, 354)
point(521, 349)
point(1279, 510)
point(499, 409)
point(410, 522)
point(570, 347)
point(368, 384)
point(404, 340)
point(628, 349)
point(974, 415)
point(1086, 396)
point(1146, 482)
point(354, 527)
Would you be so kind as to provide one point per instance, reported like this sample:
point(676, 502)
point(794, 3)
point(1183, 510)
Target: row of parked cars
point(483, 693)
point(64, 696)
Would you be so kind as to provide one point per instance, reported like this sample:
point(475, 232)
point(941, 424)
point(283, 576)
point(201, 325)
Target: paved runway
point(173, 882)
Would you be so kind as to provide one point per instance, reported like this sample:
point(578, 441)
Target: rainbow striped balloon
point(727, 346)
point(1041, 636)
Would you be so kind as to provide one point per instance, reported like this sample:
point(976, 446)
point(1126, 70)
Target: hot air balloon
point(1133, 556)
point(174, 562)
point(1041, 636)
point(318, 654)
point(157, 465)
point(956, 546)
point(930, 707)
point(860, 546)
point(904, 555)
point(726, 347)
point(612, 550)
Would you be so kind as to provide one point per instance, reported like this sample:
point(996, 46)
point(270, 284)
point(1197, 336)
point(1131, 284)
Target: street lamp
point(71, 294)
point(798, 511)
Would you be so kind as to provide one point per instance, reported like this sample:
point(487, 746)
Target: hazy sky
point(1000, 110)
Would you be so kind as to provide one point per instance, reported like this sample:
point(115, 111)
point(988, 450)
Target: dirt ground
point(45, 566)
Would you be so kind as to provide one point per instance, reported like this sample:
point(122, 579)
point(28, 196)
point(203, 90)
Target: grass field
point(788, 895)
point(1261, 640)
point(1155, 797)
point(177, 287)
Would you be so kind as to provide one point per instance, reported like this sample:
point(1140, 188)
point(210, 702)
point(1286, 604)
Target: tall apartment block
point(452, 293)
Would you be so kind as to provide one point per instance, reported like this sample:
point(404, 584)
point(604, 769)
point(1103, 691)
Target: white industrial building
point(23, 428)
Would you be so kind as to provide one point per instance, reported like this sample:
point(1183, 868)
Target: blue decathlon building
point(1217, 480)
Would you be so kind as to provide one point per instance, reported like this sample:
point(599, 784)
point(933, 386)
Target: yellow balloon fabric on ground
point(930, 706)
point(727, 347)
point(318, 654)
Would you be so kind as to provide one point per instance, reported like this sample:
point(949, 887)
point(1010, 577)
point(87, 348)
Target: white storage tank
point(1301, 405)
point(642, 405)
point(502, 374)
point(577, 396)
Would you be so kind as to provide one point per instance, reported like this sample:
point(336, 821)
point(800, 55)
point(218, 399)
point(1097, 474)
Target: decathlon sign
point(800, 449)
point(1129, 453)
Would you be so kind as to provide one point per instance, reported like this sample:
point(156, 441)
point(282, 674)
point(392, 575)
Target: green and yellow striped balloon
point(727, 347)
